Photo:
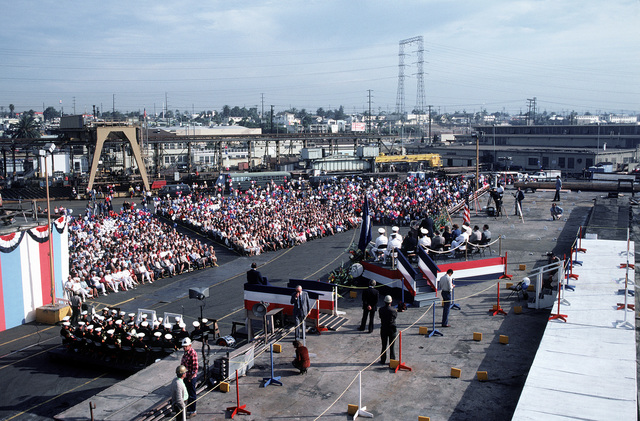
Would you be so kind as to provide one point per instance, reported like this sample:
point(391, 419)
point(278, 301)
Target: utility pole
point(113, 106)
point(429, 124)
point(272, 119)
point(262, 112)
point(369, 119)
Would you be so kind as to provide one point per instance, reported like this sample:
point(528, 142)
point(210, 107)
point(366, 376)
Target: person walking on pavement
point(300, 301)
point(370, 298)
point(556, 198)
point(190, 361)
point(445, 287)
point(388, 329)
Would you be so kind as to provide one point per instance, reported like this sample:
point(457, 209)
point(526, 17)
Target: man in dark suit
point(255, 277)
point(388, 329)
point(369, 305)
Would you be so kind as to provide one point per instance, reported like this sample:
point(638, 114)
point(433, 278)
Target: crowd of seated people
point(116, 252)
point(275, 217)
point(114, 335)
point(261, 220)
point(110, 252)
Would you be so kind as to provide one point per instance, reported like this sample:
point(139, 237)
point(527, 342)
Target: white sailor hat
point(159, 319)
point(98, 329)
point(178, 319)
point(66, 323)
point(81, 323)
point(114, 311)
point(144, 324)
point(111, 332)
point(118, 322)
point(131, 314)
point(90, 327)
point(183, 325)
point(140, 335)
point(144, 316)
point(66, 318)
point(157, 334)
point(395, 229)
point(196, 324)
point(381, 230)
point(205, 321)
point(122, 313)
point(84, 312)
point(105, 309)
point(168, 336)
point(424, 231)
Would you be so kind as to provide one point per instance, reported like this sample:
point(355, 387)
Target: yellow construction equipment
point(433, 159)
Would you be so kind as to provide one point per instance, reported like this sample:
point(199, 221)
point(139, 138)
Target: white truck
point(546, 175)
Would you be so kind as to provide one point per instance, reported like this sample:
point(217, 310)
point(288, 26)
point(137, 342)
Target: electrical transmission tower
point(419, 41)
point(531, 114)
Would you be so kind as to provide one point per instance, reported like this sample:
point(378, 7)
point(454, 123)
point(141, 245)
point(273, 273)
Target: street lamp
point(50, 148)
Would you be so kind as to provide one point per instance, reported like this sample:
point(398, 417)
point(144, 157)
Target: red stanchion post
point(627, 264)
point(497, 309)
point(400, 363)
point(571, 274)
point(580, 249)
point(505, 275)
point(319, 328)
point(238, 409)
point(562, 317)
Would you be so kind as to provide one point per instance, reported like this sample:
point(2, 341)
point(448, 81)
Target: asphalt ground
point(34, 388)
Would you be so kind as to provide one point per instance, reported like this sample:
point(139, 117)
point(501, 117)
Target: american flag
point(466, 214)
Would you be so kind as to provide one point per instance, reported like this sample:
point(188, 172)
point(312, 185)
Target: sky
point(494, 55)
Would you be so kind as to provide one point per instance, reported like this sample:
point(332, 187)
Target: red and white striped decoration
point(466, 214)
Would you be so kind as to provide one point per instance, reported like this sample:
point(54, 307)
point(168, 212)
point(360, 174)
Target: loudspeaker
point(199, 293)
point(260, 309)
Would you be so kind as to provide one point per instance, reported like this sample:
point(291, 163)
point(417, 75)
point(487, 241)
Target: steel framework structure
point(400, 107)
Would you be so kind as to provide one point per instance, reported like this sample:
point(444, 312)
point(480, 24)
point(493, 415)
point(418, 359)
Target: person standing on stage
point(190, 361)
point(446, 287)
point(300, 301)
point(369, 305)
point(255, 277)
point(388, 329)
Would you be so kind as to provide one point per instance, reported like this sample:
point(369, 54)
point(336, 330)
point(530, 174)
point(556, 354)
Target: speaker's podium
point(52, 313)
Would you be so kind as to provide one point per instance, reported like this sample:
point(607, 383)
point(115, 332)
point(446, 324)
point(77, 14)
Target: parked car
point(174, 190)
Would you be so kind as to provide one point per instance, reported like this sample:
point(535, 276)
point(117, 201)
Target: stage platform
point(586, 368)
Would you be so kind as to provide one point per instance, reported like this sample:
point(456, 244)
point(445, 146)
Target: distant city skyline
point(493, 55)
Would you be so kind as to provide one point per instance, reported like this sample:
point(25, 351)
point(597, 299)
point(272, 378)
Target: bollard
point(482, 376)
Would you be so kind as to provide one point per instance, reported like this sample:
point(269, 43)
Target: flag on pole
point(428, 267)
point(466, 214)
point(365, 228)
